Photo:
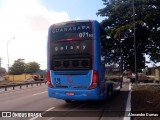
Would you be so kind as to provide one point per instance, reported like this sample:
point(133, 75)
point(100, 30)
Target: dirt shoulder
point(145, 99)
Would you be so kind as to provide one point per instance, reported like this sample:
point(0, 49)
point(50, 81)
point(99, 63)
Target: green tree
point(2, 71)
point(120, 23)
point(18, 67)
point(32, 67)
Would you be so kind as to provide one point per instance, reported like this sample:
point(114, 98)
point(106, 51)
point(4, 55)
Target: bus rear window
point(72, 64)
point(71, 46)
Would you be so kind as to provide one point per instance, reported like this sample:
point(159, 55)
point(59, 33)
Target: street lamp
point(8, 51)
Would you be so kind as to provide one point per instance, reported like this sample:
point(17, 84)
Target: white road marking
point(47, 111)
point(128, 106)
point(43, 113)
point(33, 118)
point(50, 118)
point(39, 93)
point(130, 86)
point(50, 109)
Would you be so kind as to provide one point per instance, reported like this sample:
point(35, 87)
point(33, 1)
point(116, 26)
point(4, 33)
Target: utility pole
point(8, 50)
point(135, 46)
point(0, 61)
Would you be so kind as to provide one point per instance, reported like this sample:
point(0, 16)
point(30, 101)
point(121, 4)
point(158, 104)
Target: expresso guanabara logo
point(71, 28)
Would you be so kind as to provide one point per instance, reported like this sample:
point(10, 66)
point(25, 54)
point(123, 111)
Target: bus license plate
point(70, 93)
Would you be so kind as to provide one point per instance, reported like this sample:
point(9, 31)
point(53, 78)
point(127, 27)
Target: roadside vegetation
point(145, 98)
point(134, 24)
point(124, 22)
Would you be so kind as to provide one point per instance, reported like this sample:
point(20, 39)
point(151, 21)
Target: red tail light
point(49, 79)
point(94, 83)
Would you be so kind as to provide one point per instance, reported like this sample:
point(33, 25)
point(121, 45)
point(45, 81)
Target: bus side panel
point(98, 65)
point(96, 47)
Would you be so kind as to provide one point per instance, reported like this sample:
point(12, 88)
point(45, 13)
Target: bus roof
point(74, 21)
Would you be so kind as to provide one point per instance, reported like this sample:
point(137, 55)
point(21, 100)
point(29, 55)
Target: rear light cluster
point(94, 83)
point(49, 79)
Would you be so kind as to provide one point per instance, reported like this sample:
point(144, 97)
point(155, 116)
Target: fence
point(13, 85)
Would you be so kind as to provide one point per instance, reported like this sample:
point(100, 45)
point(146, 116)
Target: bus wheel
point(68, 101)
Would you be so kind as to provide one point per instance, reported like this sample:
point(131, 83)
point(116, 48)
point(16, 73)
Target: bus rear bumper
point(93, 94)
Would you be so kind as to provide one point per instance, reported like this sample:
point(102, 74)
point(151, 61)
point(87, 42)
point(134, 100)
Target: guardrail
point(5, 86)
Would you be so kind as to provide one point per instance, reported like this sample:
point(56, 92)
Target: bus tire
point(68, 101)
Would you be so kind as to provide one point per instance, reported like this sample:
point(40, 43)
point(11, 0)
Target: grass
point(145, 98)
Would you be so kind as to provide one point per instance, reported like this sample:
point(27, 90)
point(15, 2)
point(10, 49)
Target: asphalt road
point(35, 99)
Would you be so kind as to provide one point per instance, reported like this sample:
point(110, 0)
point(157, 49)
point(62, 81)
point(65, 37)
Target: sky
point(24, 25)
